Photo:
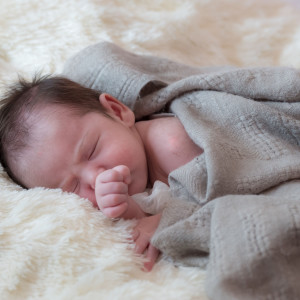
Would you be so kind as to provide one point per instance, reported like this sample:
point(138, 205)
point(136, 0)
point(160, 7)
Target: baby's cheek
point(137, 186)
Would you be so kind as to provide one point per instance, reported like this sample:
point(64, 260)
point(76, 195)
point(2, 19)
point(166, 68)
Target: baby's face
point(69, 151)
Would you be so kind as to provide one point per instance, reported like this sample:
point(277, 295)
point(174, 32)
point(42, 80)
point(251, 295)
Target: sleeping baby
point(229, 160)
point(56, 133)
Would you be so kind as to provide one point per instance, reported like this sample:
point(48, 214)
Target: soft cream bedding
point(56, 246)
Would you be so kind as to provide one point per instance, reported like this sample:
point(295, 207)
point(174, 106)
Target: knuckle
point(100, 179)
point(99, 189)
point(110, 188)
point(108, 175)
point(116, 199)
point(120, 187)
point(113, 173)
point(123, 170)
point(120, 168)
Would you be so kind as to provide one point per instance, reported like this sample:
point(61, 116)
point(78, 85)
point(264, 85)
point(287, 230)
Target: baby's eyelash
point(76, 187)
point(91, 154)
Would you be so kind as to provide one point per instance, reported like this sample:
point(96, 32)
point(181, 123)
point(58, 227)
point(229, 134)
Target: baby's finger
point(125, 171)
point(135, 234)
point(110, 175)
point(111, 188)
point(112, 200)
point(116, 211)
point(152, 255)
point(141, 244)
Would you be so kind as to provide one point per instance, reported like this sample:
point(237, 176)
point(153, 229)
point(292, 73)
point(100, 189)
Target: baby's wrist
point(133, 211)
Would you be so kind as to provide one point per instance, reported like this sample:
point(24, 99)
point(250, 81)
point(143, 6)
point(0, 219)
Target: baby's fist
point(111, 191)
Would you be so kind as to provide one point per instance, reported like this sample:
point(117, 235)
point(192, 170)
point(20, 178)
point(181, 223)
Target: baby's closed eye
point(75, 188)
point(93, 150)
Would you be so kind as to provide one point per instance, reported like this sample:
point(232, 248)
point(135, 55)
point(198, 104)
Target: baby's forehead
point(49, 127)
point(48, 119)
point(59, 121)
point(41, 129)
point(53, 109)
point(50, 112)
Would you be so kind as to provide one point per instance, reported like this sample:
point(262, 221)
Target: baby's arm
point(142, 235)
point(112, 197)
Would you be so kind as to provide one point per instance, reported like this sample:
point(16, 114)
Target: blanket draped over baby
point(239, 201)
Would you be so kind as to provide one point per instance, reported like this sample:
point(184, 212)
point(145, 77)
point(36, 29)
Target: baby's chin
point(94, 202)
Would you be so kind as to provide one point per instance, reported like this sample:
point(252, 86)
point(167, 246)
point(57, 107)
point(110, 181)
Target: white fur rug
point(55, 245)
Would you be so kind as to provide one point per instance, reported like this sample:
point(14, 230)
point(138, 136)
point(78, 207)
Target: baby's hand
point(111, 189)
point(142, 235)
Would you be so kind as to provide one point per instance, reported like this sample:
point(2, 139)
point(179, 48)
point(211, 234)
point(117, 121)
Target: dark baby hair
point(22, 99)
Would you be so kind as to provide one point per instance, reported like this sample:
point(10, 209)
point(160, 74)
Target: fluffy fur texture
point(55, 245)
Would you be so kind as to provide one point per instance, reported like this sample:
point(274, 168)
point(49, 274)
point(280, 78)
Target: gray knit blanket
point(235, 208)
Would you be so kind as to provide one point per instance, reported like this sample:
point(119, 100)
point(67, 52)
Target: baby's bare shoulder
point(176, 147)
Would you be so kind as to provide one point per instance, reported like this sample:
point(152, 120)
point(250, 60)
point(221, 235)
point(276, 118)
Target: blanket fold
point(248, 123)
point(264, 256)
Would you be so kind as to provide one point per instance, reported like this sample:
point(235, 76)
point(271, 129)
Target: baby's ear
point(117, 109)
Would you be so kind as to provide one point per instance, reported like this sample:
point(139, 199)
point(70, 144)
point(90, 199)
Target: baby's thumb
point(124, 170)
